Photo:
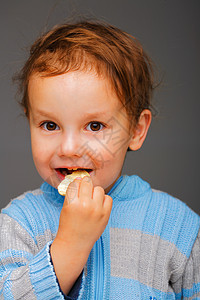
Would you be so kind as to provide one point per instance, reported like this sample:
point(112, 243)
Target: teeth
point(68, 171)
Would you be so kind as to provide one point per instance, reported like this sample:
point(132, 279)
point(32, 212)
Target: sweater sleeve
point(188, 286)
point(74, 292)
point(25, 271)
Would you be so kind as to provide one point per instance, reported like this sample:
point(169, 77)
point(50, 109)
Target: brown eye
point(50, 126)
point(95, 126)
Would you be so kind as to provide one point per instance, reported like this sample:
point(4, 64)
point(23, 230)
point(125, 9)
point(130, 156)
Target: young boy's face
point(77, 121)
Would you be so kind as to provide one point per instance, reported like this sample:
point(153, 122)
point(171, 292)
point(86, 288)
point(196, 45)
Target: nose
point(70, 144)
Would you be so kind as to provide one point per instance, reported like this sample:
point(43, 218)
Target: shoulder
point(172, 207)
point(23, 202)
point(173, 220)
point(157, 213)
point(24, 207)
point(34, 210)
point(157, 202)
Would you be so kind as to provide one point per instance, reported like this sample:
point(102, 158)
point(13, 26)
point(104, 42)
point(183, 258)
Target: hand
point(84, 216)
point(85, 213)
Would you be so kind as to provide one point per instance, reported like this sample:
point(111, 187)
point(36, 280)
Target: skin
point(76, 120)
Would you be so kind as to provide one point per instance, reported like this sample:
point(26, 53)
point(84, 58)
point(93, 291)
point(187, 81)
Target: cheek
point(109, 151)
point(110, 160)
point(42, 161)
point(40, 151)
point(109, 166)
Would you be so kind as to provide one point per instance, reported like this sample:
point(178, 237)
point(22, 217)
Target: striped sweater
point(149, 250)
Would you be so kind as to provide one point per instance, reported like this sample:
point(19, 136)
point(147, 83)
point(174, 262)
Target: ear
point(140, 130)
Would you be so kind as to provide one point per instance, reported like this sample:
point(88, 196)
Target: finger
point(86, 189)
point(107, 203)
point(72, 191)
point(98, 195)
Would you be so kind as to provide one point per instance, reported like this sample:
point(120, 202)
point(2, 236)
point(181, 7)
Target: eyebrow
point(96, 114)
point(39, 112)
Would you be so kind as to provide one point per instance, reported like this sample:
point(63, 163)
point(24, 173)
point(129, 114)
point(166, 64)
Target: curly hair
point(96, 46)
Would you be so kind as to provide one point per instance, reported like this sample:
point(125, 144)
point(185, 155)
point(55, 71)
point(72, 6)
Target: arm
point(188, 286)
point(83, 218)
point(24, 270)
point(25, 262)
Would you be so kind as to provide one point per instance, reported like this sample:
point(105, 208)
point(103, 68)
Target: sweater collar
point(125, 188)
point(51, 194)
point(129, 188)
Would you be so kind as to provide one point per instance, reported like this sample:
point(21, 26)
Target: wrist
point(68, 261)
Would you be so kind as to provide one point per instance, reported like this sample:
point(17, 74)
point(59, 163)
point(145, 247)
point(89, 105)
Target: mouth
point(62, 172)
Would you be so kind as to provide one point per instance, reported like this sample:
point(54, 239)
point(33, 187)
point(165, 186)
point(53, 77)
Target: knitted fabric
point(150, 248)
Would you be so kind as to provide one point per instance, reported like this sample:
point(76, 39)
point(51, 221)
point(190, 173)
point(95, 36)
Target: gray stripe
point(193, 265)
point(43, 239)
point(14, 261)
point(156, 191)
point(14, 236)
point(148, 259)
point(192, 270)
point(21, 287)
point(21, 284)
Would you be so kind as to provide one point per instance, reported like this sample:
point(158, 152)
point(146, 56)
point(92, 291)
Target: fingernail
point(87, 178)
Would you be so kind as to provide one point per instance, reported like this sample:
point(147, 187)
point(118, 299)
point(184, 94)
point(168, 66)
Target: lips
point(62, 172)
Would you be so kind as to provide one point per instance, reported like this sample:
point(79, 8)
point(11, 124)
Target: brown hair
point(87, 45)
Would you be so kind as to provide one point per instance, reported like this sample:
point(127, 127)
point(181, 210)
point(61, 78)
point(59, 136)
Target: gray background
point(169, 32)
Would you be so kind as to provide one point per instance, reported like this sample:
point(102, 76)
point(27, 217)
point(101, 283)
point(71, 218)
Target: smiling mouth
point(66, 171)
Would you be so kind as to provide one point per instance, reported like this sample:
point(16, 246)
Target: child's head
point(86, 92)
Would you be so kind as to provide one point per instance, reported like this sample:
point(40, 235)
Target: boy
point(86, 93)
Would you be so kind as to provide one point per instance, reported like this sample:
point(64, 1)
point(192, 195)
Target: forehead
point(86, 88)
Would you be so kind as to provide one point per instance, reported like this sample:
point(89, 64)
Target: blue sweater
point(149, 250)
